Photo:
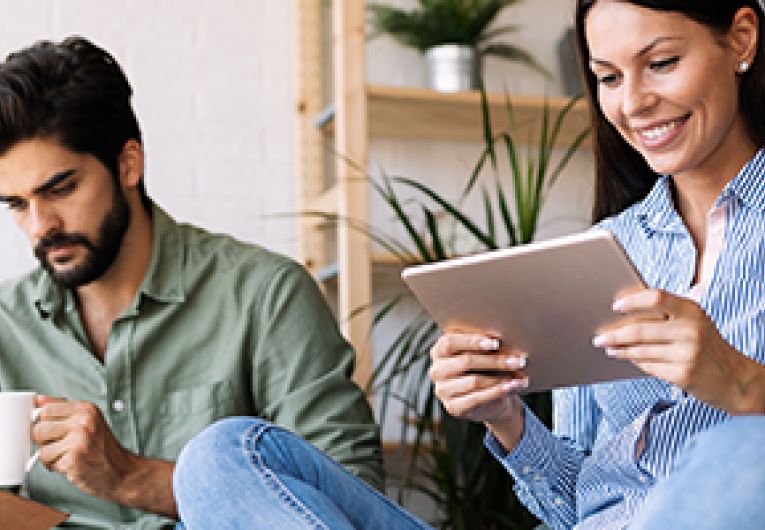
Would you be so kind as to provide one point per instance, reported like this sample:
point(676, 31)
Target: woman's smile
point(660, 134)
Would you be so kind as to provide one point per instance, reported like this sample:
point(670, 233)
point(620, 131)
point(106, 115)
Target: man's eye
point(62, 190)
point(664, 63)
point(15, 204)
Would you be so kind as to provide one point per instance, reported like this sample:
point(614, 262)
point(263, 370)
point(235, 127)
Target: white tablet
point(546, 299)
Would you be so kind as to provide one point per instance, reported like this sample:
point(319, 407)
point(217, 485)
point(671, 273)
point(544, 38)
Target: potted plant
point(454, 36)
point(446, 458)
point(448, 462)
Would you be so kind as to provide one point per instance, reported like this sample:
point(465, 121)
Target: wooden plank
point(423, 114)
point(326, 202)
point(309, 148)
point(353, 248)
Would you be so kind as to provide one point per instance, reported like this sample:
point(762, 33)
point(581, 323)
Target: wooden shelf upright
point(347, 197)
point(333, 137)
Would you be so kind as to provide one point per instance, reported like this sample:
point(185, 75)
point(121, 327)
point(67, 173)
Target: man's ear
point(744, 35)
point(131, 164)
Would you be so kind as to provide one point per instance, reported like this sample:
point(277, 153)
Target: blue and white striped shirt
point(585, 474)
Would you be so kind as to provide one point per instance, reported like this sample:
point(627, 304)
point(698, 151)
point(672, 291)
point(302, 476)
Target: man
point(138, 332)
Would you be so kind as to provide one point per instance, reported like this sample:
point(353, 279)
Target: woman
point(678, 92)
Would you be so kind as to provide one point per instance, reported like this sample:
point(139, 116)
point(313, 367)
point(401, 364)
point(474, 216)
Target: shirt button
point(676, 393)
point(558, 501)
point(118, 405)
point(538, 477)
point(642, 479)
point(526, 470)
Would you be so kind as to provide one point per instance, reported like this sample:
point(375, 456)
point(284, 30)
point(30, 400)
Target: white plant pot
point(452, 68)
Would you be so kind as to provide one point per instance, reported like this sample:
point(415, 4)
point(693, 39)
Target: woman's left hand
point(672, 338)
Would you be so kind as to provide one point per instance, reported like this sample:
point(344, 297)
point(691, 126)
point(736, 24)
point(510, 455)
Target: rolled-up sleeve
point(545, 465)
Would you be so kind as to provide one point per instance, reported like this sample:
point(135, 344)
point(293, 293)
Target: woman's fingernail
point(618, 305)
point(489, 344)
point(516, 363)
point(599, 341)
point(515, 384)
point(612, 352)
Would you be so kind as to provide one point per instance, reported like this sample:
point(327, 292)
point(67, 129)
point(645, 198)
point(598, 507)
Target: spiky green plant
point(447, 460)
point(470, 489)
point(464, 22)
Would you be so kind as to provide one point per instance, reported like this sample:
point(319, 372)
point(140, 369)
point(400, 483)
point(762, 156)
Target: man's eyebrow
point(56, 179)
point(641, 52)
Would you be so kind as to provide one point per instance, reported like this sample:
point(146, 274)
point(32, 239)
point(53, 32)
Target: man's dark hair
point(622, 174)
point(73, 92)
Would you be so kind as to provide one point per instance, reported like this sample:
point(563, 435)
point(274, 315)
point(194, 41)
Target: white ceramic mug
point(17, 414)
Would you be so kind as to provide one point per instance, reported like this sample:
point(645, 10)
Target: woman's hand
point(672, 338)
point(474, 379)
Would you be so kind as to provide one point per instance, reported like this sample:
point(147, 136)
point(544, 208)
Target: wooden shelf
point(423, 114)
point(362, 111)
point(381, 261)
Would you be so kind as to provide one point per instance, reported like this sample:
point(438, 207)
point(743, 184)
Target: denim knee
point(742, 436)
point(216, 447)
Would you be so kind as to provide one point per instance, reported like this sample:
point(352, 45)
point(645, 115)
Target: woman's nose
point(637, 98)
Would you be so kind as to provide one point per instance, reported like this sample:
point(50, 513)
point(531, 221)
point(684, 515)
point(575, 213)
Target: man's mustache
point(59, 240)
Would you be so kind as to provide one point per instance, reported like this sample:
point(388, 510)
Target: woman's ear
point(131, 164)
point(744, 37)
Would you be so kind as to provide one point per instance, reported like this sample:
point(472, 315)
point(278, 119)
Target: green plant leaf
point(392, 200)
point(545, 150)
point(505, 213)
point(435, 238)
point(570, 152)
point(489, 210)
point(392, 245)
point(488, 138)
point(464, 221)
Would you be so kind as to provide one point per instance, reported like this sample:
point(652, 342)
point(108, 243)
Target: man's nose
point(42, 220)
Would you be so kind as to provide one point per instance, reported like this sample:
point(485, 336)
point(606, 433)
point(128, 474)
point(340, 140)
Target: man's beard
point(100, 255)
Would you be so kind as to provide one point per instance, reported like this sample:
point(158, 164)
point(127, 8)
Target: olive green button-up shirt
point(218, 328)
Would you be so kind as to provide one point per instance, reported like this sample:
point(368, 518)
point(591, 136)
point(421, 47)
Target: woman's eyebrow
point(646, 49)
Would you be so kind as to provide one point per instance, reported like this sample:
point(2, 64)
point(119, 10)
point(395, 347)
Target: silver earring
point(743, 66)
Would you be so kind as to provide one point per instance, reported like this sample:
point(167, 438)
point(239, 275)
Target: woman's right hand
point(475, 379)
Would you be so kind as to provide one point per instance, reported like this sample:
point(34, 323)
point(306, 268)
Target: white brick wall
point(214, 95)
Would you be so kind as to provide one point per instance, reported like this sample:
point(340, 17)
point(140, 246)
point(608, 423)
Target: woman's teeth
point(661, 130)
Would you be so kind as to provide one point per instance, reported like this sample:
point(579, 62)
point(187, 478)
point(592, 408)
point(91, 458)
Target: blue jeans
point(719, 482)
point(245, 473)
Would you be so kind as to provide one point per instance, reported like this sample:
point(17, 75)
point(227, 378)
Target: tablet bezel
point(561, 290)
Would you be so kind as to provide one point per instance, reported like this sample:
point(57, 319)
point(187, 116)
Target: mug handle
point(33, 459)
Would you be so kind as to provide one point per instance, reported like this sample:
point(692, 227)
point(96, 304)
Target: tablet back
point(546, 299)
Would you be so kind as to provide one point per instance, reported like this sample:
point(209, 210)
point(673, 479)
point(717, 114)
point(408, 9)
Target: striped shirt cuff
point(532, 454)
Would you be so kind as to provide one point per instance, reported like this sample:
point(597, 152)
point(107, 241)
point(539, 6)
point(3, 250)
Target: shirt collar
point(163, 281)
point(657, 211)
point(749, 185)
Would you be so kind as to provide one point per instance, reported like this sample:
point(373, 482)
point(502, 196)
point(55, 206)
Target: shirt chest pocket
point(185, 412)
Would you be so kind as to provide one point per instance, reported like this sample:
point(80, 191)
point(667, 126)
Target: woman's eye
point(664, 63)
point(607, 79)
